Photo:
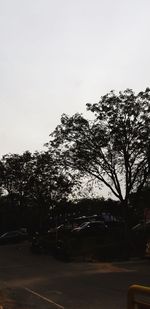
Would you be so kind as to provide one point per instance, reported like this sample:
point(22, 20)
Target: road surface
point(30, 281)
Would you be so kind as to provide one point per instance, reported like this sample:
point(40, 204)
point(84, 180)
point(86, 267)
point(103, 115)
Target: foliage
point(48, 181)
point(35, 180)
point(113, 146)
point(13, 174)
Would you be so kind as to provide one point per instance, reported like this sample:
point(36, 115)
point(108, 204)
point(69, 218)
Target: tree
point(36, 180)
point(14, 174)
point(112, 147)
point(48, 183)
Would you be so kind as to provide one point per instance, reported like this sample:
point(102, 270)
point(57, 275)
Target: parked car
point(95, 238)
point(13, 237)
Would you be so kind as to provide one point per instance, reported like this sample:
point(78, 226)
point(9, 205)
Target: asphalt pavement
point(30, 281)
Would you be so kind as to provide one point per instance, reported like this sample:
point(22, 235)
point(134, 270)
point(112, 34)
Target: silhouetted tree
point(48, 183)
point(14, 174)
point(111, 147)
point(36, 180)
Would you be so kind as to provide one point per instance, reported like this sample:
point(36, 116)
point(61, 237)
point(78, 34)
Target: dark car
point(98, 240)
point(92, 238)
point(13, 237)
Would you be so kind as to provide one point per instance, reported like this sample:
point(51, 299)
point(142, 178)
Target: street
point(39, 281)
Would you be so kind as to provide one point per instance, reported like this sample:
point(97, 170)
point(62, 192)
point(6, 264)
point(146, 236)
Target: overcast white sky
point(56, 55)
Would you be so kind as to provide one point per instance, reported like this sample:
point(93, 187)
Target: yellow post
point(134, 290)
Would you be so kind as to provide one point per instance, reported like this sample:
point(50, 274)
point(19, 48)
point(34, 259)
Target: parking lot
point(40, 281)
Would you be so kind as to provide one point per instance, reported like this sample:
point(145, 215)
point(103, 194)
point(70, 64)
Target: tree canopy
point(113, 146)
point(35, 178)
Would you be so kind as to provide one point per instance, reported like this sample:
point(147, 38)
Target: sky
point(57, 55)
